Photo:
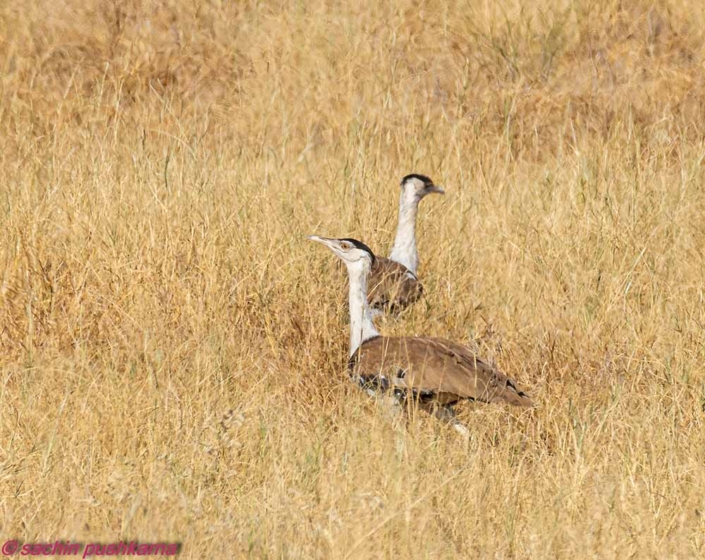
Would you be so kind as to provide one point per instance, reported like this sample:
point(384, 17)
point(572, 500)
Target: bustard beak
point(324, 240)
point(332, 244)
point(435, 189)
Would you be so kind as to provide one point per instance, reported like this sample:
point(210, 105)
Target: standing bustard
point(435, 372)
point(393, 281)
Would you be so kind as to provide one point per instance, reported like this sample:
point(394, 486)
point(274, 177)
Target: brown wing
point(436, 369)
point(392, 285)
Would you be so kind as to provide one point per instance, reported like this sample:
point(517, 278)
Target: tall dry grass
point(160, 165)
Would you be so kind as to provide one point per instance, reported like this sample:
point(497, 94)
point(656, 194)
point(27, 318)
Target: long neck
point(404, 250)
point(361, 325)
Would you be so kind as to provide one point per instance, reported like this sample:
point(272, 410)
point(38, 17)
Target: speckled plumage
point(434, 369)
point(391, 285)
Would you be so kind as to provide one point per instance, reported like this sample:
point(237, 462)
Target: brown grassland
point(160, 166)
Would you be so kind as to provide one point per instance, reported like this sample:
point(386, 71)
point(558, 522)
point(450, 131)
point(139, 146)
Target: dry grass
point(161, 164)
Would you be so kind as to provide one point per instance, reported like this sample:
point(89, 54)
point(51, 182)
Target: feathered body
point(392, 286)
point(433, 369)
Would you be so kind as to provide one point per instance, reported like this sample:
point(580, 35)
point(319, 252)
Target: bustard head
point(419, 186)
point(351, 251)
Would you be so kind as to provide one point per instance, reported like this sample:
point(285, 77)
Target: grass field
point(172, 349)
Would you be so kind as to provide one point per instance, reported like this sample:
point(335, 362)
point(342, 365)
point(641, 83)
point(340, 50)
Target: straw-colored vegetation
point(160, 166)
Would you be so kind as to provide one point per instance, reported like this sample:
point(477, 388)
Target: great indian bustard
point(434, 372)
point(393, 281)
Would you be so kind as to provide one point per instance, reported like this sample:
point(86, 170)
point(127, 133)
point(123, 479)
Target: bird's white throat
point(361, 326)
point(404, 249)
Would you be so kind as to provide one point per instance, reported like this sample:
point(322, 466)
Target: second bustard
point(435, 372)
point(393, 282)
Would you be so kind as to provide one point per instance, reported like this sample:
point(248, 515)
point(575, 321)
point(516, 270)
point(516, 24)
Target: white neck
point(404, 250)
point(361, 326)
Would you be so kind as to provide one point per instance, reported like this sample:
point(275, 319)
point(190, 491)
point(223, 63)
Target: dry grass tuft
point(173, 350)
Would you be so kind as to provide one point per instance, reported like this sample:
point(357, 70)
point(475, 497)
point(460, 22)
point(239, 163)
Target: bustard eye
point(346, 245)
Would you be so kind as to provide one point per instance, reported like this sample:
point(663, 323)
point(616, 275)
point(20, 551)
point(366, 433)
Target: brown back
point(391, 285)
point(435, 367)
